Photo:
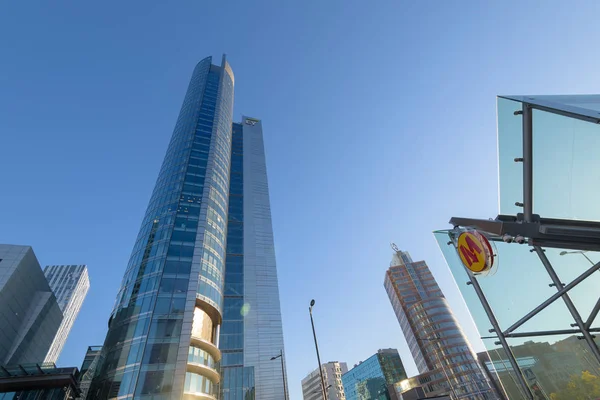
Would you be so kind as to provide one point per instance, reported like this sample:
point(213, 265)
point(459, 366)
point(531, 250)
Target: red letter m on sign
point(469, 253)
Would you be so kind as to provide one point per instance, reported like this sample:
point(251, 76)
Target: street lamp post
point(282, 372)
point(312, 303)
point(562, 253)
point(317, 391)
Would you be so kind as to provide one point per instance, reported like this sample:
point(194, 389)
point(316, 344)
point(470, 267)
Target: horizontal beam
point(553, 298)
point(543, 232)
point(541, 333)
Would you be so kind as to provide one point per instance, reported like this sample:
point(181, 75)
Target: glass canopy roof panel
point(510, 146)
point(552, 363)
point(582, 105)
point(566, 165)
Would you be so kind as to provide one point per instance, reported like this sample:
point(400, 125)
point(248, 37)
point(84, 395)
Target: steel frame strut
point(540, 232)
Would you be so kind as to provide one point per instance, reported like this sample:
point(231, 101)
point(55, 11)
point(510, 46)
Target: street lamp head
point(273, 358)
point(312, 302)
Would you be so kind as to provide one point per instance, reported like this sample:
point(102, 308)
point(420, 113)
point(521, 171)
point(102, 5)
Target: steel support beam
point(527, 162)
point(593, 315)
point(553, 298)
point(542, 333)
point(503, 342)
point(568, 302)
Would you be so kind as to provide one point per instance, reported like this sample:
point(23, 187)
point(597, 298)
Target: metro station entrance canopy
point(541, 295)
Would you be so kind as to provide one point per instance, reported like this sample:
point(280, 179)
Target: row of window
point(199, 356)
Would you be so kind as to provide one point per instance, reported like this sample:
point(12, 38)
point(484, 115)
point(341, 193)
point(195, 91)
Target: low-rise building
point(332, 375)
point(374, 378)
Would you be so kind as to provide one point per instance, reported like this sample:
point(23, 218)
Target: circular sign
point(475, 251)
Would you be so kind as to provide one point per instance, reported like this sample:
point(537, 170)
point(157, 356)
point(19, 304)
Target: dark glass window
point(161, 353)
point(163, 305)
point(178, 306)
point(154, 382)
point(165, 328)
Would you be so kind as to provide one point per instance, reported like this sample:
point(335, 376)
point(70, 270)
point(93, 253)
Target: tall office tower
point(197, 317)
point(432, 332)
point(29, 313)
point(375, 377)
point(252, 331)
point(88, 368)
point(70, 284)
point(332, 375)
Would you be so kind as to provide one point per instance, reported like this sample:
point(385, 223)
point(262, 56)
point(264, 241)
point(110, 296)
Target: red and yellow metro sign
point(475, 251)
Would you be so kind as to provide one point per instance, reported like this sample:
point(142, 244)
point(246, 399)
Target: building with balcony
point(197, 315)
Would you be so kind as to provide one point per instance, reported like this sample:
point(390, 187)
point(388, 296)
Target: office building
point(198, 313)
point(432, 383)
point(88, 369)
point(375, 377)
point(433, 334)
point(43, 381)
point(29, 316)
point(70, 284)
point(332, 375)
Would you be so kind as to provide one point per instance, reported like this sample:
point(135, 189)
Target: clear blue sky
point(379, 122)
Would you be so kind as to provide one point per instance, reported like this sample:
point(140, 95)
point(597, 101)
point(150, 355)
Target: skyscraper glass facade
point(179, 328)
point(433, 334)
point(174, 279)
point(70, 284)
point(238, 381)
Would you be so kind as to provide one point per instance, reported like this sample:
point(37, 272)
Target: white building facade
point(332, 374)
point(70, 284)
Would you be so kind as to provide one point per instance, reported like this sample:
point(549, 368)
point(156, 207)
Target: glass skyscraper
point(70, 284)
point(374, 378)
point(198, 315)
point(433, 334)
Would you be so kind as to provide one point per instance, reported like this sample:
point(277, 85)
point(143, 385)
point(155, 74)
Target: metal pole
point(490, 377)
point(527, 163)
point(318, 357)
point(503, 342)
point(555, 296)
point(587, 258)
point(283, 375)
point(593, 314)
point(586, 334)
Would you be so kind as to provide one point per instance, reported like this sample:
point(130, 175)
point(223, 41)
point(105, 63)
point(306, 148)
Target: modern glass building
point(88, 369)
point(433, 334)
point(70, 284)
point(536, 304)
point(374, 378)
point(198, 315)
point(38, 381)
point(29, 315)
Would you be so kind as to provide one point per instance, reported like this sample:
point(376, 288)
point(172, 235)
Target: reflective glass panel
point(519, 284)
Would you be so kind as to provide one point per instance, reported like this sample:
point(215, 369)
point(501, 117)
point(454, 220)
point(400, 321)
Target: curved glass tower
point(163, 337)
